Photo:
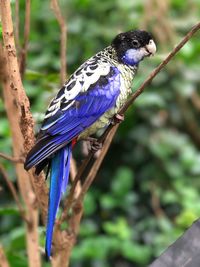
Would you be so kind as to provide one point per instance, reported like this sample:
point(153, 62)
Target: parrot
point(85, 104)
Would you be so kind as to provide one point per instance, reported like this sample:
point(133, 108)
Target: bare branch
point(73, 173)
point(18, 109)
point(21, 124)
point(63, 38)
point(71, 195)
point(3, 259)
point(13, 192)
point(106, 139)
point(96, 165)
point(10, 158)
point(132, 99)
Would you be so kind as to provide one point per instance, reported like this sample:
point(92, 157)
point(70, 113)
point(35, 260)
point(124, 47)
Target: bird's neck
point(110, 54)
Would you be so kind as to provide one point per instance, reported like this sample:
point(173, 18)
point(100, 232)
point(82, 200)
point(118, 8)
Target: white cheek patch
point(133, 56)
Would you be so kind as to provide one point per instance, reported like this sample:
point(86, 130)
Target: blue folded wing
point(84, 109)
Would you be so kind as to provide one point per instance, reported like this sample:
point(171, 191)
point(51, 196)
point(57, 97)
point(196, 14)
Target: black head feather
point(132, 39)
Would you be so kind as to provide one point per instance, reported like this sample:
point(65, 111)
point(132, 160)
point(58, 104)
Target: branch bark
point(3, 259)
point(21, 123)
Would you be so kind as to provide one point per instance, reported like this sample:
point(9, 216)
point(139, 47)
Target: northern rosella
point(86, 103)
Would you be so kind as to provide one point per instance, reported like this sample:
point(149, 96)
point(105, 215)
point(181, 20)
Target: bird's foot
point(93, 144)
point(118, 118)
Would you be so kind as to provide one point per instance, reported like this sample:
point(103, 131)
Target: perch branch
point(63, 39)
point(106, 139)
point(97, 163)
point(13, 192)
point(130, 101)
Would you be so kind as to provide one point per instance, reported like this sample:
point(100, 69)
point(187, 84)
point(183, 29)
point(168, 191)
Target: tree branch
point(106, 137)
point(21, 124)
point(13, 192)
point(10, 158)
point(63, 39)
point(3, 259)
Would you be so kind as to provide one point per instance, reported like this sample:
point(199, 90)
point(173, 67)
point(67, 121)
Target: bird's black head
point(132, 46)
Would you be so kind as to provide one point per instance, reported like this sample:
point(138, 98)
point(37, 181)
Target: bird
point(86, 103)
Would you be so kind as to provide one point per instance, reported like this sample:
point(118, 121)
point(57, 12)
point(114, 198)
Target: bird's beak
point(151, 48)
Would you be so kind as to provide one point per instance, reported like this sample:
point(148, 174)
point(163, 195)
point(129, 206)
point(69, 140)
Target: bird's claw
point(118, 118)
point(93, 144)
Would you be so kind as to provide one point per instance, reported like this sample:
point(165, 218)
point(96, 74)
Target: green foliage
point(155, 155)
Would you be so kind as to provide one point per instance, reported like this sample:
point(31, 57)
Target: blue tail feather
point(58, 181)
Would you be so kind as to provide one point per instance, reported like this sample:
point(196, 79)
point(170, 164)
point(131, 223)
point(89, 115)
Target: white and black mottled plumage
point(85, 104)
point(94, 70)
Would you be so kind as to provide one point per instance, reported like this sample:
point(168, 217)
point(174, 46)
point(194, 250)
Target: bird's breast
point(126, 78)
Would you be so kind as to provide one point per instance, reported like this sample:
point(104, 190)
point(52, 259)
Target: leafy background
point(148, 189)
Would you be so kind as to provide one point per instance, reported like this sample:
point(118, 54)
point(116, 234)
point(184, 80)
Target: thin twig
point(10, 158)
point(26, 37)
point(3, 259)
point(97, 163)
point(70, 197)
point(13, 192)
point(104, 138)
point(73, 173)
point(63, 39)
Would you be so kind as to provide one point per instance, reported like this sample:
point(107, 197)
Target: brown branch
point(21, 124)
point(18, 108)
point(3, 259)
point(105, 138)
point(23, 54)
point(64, 242)
point(140, 90)
point(63, 39)
point(13, 192)
point(73, 173)
point(97, 163)
point(10, 158)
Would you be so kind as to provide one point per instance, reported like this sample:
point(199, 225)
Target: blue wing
point(74, 115)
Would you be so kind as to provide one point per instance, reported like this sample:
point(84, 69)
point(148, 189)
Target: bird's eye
point(135, 43)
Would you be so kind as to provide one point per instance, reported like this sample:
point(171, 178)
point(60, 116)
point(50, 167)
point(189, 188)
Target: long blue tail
point(58, 182)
